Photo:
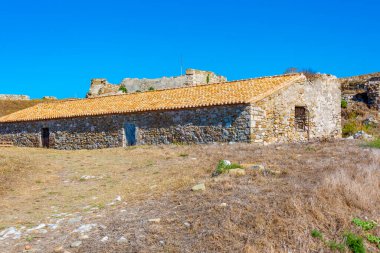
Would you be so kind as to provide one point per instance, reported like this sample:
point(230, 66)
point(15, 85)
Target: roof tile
point(235, 92)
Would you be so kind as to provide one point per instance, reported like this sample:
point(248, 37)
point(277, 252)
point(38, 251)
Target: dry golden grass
point(11, 106)
point(321, 186)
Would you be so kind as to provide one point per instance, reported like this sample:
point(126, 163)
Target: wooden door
point(45, 137)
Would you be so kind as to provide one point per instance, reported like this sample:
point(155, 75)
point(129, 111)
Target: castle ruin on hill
point(101, 87)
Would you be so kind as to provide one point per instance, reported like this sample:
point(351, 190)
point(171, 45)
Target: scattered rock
point(104, 239)
point(11, 232)
point(58, 249)
point(199, 187)
point(362, 135)
point(158, 220)
point(253, 166)
point(122, 240)
point(223, 204)
point(53, 226)
point(84, 237)
point(76, 244)
point(237, 172)
point(75, 220)
point(87, 177)
point(85, 228)
point(187, 224)
point(118, 198)
point(39, 227)
point(267, 172)
point(28, 247)
point(226, 162)
point(162, 242)
point(370, 121)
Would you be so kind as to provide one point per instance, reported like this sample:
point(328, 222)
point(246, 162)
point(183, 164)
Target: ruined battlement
point(14, 97)
point(101, 87)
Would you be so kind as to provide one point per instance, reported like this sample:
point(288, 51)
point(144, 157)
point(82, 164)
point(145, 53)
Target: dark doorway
point(130, 134)
point(45, 137)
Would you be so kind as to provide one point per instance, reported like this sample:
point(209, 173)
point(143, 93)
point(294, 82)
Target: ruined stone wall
point(273, 118)
point(202, 125)
point(14, 97)
point(373, 91)
point(101, 87)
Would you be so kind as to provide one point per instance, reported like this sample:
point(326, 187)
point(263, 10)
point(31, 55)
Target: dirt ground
point(316, 186)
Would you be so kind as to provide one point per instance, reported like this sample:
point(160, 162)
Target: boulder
point(199, 187)
point(237, 172)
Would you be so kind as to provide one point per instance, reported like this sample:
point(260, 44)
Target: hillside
point(10, 106)
point(139, 199)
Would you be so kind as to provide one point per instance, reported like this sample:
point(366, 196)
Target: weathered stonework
point(363, 88)
point(272, 119)
point(14, 97)
point(202, 125)
point(101, 87)
point(373, 91)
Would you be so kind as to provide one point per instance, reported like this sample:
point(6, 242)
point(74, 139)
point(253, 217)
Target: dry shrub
point(10, 171)
point(357, 186)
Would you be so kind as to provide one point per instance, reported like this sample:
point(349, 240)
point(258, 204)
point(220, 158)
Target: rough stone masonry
point(101, 87)
point(272, 119)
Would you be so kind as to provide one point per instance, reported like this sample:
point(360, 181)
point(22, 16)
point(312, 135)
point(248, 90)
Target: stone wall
point(101, 87)
point(202, 125)
point(373, 91)
point(273, 118)
point(363, 88)
point(14, 97)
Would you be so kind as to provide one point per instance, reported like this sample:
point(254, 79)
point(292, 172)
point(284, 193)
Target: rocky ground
point(270, 207)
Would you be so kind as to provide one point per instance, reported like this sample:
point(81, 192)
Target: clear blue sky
point(54, 47)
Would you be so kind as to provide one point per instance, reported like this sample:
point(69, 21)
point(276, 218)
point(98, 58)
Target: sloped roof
point(235, 92)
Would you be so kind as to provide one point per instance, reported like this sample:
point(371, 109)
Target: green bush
point(355, 243)
point(373, 239)
point(123, 89)
point(365, 225)
point(350, 128)
point(223, 167)
point(151, 88)
point(343, 103)
point(316, 234)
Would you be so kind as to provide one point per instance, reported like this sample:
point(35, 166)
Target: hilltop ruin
point(101, 87)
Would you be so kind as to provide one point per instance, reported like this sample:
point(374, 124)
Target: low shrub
point(224, 166)
point(123, 89)
point(355, 243)
point(365, 225)
point(316, 234)
point(343, 103)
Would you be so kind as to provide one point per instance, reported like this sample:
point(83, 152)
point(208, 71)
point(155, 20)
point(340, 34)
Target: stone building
point(101, 87)
point(288, 108)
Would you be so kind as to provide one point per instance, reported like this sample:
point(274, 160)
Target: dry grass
point(321, 186)
point(11, 106)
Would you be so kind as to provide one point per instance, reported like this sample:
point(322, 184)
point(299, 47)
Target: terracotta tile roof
point(235, 92)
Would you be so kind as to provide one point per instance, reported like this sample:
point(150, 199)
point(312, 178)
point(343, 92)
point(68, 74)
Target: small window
point(301, 118)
